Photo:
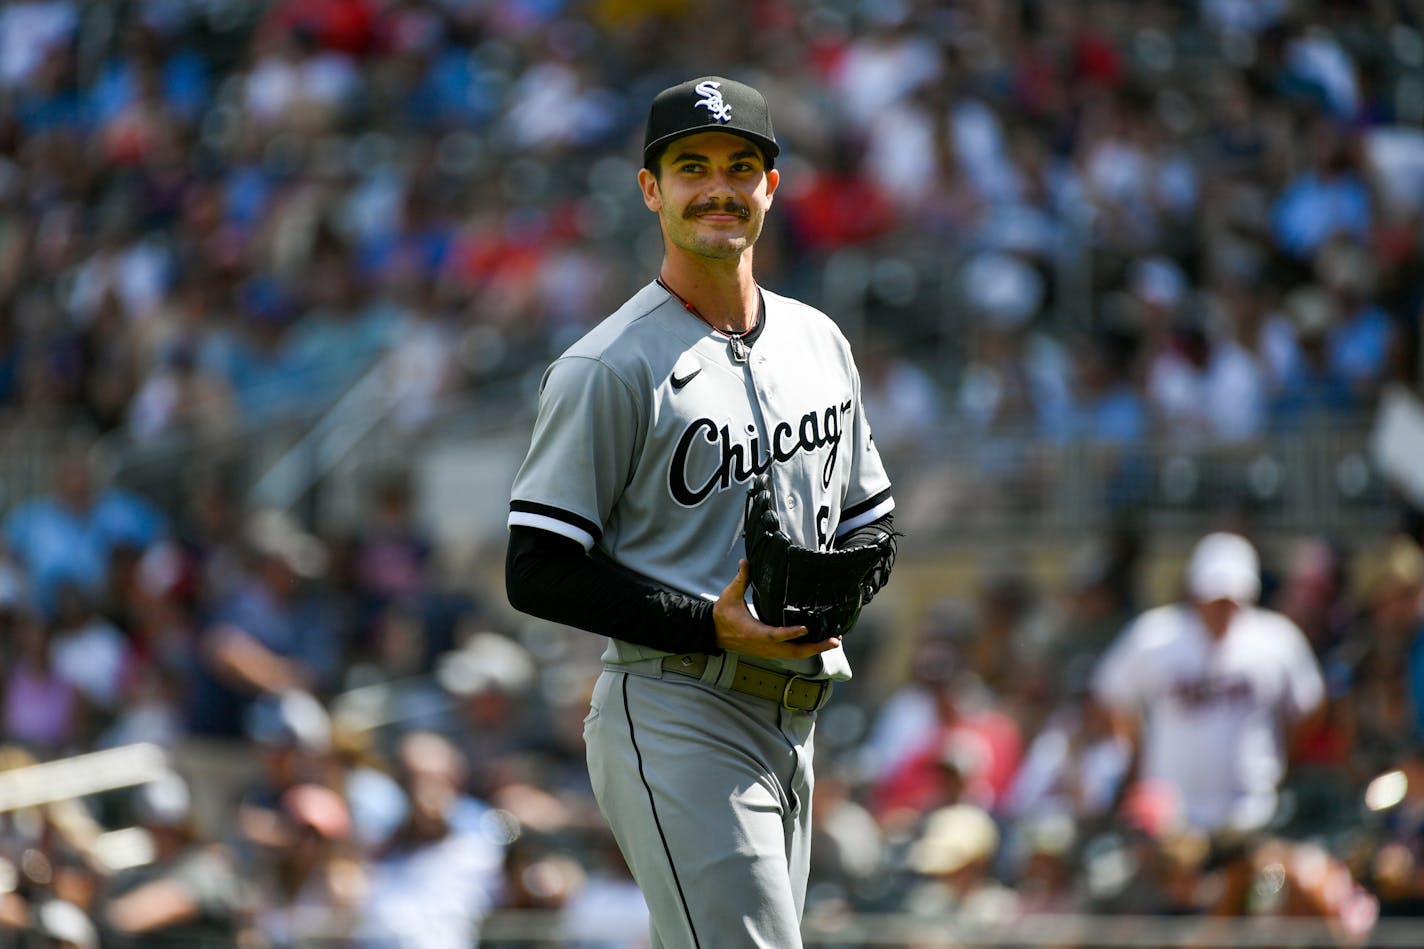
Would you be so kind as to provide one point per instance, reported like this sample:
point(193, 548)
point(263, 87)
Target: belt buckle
point(820, 702)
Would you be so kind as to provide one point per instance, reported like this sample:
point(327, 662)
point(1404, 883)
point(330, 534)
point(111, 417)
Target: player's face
point(713, 194)
point(1218, 614)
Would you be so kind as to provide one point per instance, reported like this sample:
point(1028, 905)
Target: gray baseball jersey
point(650, 428)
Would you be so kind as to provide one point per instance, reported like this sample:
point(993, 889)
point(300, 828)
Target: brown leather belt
point(794, 692)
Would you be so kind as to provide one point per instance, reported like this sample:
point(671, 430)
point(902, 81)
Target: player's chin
point(721, 249)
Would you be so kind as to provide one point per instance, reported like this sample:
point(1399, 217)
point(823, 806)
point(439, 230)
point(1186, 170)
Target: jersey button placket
point(759, 414)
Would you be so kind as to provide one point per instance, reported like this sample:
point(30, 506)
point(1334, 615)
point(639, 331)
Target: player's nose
point(719, 185)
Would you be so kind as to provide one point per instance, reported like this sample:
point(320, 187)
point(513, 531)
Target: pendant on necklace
point(739, 348)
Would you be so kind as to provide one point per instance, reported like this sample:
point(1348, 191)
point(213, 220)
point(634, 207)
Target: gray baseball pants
point(708, 793)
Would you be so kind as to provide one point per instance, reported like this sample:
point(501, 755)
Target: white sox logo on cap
point(704, 104)
point(712, 100)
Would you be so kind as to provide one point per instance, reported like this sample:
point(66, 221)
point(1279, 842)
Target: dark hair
point(653, 160)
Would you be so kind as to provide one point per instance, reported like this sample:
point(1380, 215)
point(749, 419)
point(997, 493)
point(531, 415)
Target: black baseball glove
point(797, 586)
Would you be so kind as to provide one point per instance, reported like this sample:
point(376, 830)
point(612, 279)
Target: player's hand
point(739, 631)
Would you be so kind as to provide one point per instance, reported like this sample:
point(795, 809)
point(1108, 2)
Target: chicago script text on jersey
point(741, 458)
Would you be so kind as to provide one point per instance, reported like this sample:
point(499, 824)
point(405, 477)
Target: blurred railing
point(1317, 481)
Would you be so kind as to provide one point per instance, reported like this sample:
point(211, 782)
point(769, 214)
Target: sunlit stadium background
point(277, 284)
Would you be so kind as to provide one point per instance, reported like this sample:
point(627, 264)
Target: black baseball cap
point(710, 104)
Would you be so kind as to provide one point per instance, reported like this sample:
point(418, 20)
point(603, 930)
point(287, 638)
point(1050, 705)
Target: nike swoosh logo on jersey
point(678, 383)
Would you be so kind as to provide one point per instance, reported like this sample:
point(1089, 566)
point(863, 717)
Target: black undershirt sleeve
point(551, 577)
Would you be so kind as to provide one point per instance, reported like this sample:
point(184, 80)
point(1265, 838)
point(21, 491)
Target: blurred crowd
point(1097, 219)
point(1081, 220)
point(361, 753)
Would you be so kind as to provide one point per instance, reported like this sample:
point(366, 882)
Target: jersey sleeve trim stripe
point(549, 518)
point(521, 519)
point(860, 520)
point(858, 515)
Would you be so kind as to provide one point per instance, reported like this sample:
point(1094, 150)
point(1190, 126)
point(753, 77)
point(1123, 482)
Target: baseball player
point(1213, 690)
point(705, 397)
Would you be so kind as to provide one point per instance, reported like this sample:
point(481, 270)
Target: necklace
point(736, 341)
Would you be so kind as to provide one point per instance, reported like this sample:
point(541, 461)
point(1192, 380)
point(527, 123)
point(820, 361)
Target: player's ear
point(652, 192)
point(773, 178)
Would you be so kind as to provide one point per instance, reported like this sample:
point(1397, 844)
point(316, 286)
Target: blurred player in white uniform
point(1213, 690)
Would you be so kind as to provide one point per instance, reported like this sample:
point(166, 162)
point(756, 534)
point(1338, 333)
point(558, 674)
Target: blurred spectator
point(538, 876)
point(909, 713)
point(1076, 765)
point(315, 887)
point(261, 366)
point(180, 398)
point(1213, 690)
point(1002, 639)
point(90, 652)
point(1111, 411)
point(1158, 292)
point(1314, 593)
point(1143, 866)
point(1362, 341)
point(292, 734)
point(374, 798)
point(1141, 182)
point(1325, 199)
point(970, 753)
point(190, 893)
point(342, 333)
point(1383, 656)
point(437, 876)
point(296, 84)
point(838, 206)
point(43, 710)
point(954, 856)
point(422, 368)
point(906, 159)
point(492, 680)
point(1205, 388)
point(847, 846)
point(903, 402)
point(1313, 391)
point(393, 683)
point(1307, 881)
point(66, 926)
point(1016, 380)
point(1250, 313)
point(1396, 860)
point(128, 270)
point(270, 636)
point(393, 553)
point(1045, 869)
point(880, 66)
point(29, 31)
point(608, 903)
point(1096, 601)
point(68, 534)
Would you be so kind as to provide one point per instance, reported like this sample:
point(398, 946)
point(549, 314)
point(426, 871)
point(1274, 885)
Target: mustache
point(717, 207)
